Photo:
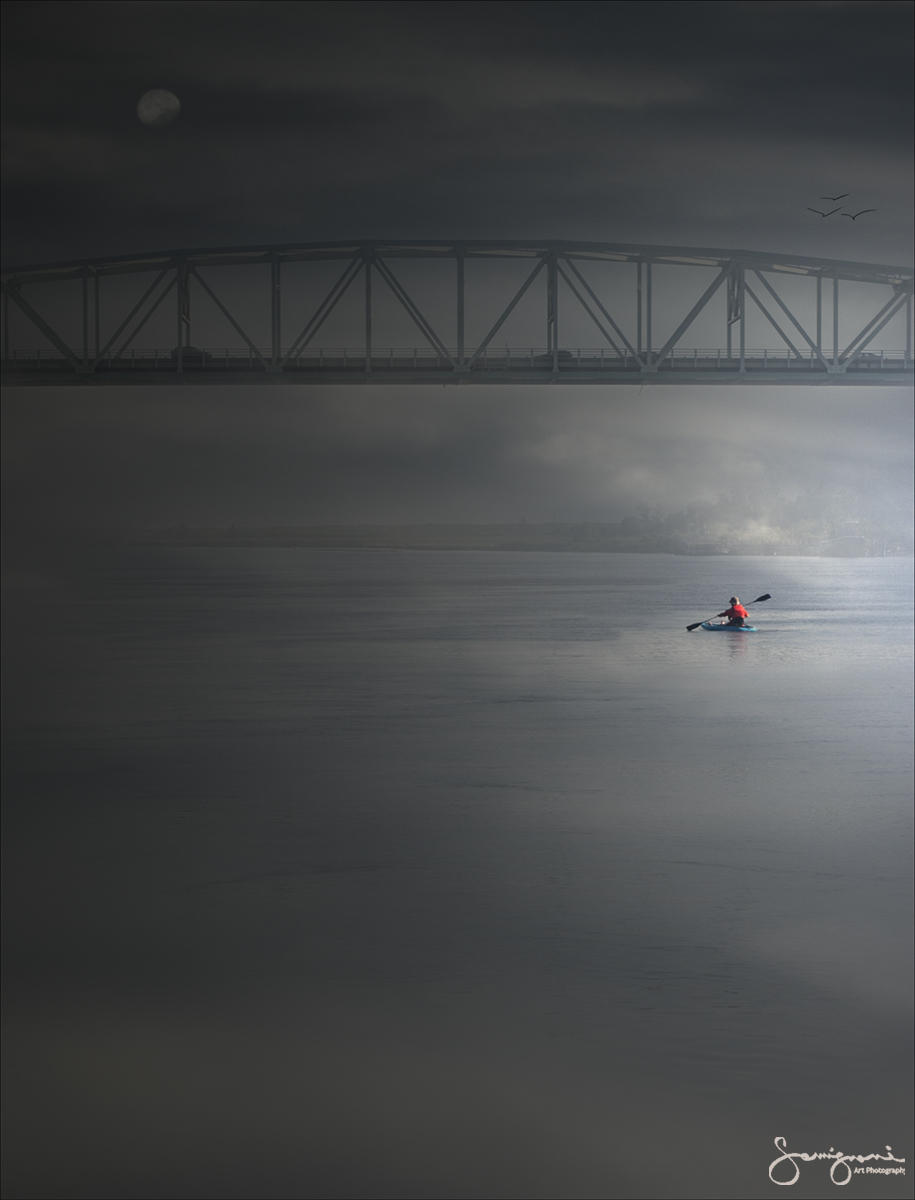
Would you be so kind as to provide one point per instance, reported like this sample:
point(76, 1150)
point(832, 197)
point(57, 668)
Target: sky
point(709, 124)
point(687, 124)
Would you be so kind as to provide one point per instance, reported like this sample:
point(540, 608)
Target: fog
point(125, 459)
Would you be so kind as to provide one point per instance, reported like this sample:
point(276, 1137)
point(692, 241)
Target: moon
point(158, 107)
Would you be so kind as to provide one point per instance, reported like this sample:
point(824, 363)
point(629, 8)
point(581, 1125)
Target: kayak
point(729, 628)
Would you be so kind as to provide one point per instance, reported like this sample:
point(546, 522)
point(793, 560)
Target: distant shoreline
point(584, 537)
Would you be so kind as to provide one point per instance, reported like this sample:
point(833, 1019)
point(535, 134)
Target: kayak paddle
point(758, 600)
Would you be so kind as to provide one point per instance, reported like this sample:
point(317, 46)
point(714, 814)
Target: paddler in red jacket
point(736, 614)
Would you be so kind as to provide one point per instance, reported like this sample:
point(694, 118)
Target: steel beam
point(183, 308)
point(276, 312)
point(459, 258)
point(225, 312)
point(133, 312)
point(638, 310)
point(772, 321)
point(85, 307)
point(610, 252)
point(506, 312)
point(552, 311)
point(97, 290)
point(367, 260)
point(325, 308)
point(815, 346)
point(873, 327)
point(593, 295)
point(38, 320)
point(690, 317)
point(416, 316)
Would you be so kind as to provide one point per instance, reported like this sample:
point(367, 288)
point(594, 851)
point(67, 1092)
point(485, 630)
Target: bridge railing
point(423, 358)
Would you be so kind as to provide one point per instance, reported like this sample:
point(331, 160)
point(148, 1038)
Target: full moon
point(158, 107)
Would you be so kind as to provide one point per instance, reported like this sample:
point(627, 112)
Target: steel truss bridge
point(396, 312)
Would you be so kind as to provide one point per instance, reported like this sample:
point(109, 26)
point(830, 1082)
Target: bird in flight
point(854, 216)
point(822, 214)
point(834, 198)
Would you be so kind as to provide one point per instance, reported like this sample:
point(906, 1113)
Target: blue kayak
point(724, 628)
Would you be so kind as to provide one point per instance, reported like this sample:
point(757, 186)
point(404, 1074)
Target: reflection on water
point(454, 874)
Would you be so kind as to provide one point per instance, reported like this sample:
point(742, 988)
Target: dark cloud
point(687, 123)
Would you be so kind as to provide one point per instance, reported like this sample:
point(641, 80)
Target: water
point(454, 874)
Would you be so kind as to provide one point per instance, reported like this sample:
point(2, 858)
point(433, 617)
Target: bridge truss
point(575, 312)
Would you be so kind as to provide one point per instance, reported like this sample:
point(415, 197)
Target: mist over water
point(427, 874)
point(750, 470)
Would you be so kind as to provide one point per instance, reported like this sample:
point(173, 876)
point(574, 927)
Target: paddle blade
point(758, 600)
point(690, 628)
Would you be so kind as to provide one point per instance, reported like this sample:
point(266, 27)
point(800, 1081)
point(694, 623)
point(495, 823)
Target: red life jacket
point(736, 610)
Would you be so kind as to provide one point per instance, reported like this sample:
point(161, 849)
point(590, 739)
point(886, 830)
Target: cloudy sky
point(711, 124)
point(691, 124)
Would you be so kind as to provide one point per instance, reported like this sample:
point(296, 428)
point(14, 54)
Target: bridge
point(446, 312)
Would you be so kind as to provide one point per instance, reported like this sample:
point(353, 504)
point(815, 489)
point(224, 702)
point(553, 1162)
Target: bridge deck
point(419, 367)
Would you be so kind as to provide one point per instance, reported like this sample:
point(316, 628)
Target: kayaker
point(736, 614)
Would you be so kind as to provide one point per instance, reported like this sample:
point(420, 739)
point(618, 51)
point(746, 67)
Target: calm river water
point(393, 874)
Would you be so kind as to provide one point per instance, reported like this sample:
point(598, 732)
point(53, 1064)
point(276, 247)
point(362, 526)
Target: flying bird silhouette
point(834, 198)
point(822, 214)
point(854, 216)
